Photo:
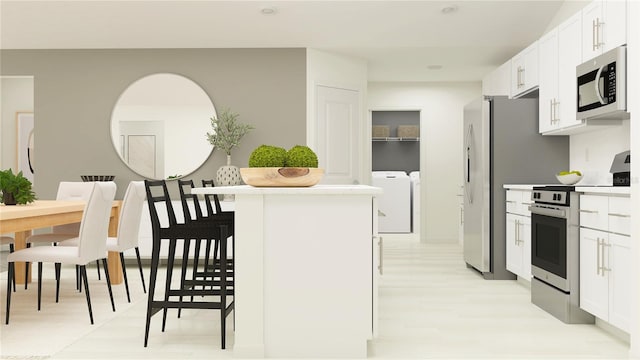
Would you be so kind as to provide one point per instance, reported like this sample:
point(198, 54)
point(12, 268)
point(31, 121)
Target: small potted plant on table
point(15, 188)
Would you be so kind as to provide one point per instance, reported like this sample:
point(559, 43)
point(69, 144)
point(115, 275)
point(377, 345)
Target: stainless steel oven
point(555, 253)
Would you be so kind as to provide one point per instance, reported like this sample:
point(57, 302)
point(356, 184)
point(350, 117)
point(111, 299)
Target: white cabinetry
point(604, 27)
point(497, 83)
point(518, 233)
point(298, 276)
point(605, 258)
point(560, 51)
point(524, 71)
point(548, 93)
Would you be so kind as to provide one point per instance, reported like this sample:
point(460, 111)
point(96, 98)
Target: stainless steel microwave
point(602, 86)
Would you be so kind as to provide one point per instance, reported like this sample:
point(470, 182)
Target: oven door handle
point(558, 213)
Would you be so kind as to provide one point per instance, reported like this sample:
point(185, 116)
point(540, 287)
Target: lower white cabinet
point(519, 245)
point(518, 233)
point(605, 263)
point(605, 258)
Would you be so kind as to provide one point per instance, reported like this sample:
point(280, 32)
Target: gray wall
point(75, 91)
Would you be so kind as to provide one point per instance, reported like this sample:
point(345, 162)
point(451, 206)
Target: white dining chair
point(67, 190)
point(71, 191)
point(128, 229)
point(94, 229)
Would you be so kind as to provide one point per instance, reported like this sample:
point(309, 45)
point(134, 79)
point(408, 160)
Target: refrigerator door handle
point(467, 190)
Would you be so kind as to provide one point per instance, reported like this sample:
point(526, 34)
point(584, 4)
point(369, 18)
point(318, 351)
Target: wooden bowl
point(281, 176)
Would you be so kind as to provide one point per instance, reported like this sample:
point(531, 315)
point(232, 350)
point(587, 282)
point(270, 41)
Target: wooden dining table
point(22, 219)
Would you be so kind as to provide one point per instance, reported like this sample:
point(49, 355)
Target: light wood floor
point(431, 306)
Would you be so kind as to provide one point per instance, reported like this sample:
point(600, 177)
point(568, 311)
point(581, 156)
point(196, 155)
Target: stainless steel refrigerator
point(501, 145)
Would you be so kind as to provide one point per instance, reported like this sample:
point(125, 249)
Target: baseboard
point(613, 331)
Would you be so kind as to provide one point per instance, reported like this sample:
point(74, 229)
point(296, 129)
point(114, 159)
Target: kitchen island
point(306, 262)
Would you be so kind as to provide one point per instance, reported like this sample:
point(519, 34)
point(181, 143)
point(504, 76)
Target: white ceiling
point(398, 39)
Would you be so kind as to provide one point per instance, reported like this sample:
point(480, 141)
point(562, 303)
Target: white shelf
point(395, 139)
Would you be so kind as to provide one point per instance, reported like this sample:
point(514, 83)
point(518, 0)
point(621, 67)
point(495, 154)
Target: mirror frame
point(154, 110)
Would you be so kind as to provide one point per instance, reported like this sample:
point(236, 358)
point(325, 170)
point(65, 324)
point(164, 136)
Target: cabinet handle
point(588, 211)
point(527, 203)
point(461, 216)
point(551, 111)
point(620, 215)
point(380, 255)
point(596, 33)
point(598, 257)
point(604, 268)
point(593, 35)
point(517, 231)
point(510, 202)
point(522, 78)
point(519, 77)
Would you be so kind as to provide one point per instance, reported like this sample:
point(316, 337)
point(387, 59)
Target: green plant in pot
point(16, 189)
point(273, 166)
point(227, 133)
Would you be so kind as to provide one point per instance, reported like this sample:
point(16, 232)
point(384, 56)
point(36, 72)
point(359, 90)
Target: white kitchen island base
point(305, 270)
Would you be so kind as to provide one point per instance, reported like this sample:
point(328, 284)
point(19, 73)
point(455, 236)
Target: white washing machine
point(395, 202)
point(415, 201)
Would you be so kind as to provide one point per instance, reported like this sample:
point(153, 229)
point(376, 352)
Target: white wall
point(592, 152)
point(568, 9)
point(440, 106)
point(16, 95)
point(339, 71)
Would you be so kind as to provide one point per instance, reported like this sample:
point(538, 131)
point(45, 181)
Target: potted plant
point(227, 133)
point(15, 188)
point(275, 166)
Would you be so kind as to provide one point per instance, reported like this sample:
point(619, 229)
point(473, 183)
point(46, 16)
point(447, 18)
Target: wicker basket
point(408, 131)
point(380, 131)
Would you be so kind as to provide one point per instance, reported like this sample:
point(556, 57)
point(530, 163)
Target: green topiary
point(301, 156)
point(268, 156)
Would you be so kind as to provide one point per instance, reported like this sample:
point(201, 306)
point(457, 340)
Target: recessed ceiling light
point(434, 67)
point(449, 9)
point(269, 10)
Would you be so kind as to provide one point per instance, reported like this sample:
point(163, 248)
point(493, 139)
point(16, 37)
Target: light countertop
point(587, 189)
point(606, 190)
point(311, 190)
point(518, 186)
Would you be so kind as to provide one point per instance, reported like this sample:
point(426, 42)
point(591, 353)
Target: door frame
point(369, 156)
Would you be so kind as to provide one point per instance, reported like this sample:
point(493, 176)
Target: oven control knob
point(559, 197)
point(555, 197)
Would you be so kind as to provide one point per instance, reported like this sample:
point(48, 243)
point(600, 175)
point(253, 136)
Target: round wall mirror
point(159, 126)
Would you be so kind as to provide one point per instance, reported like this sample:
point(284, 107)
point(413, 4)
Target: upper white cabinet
point(560, 51)
point(548, 93)
point(604, 27)
point(524, 71)
point(497, 83)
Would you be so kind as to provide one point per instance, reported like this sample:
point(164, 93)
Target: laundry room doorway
point(395, 165)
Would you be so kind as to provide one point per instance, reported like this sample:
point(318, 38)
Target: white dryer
point(395, 202)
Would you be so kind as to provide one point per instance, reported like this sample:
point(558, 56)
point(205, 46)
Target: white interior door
point(338, 136)
point(142, 147)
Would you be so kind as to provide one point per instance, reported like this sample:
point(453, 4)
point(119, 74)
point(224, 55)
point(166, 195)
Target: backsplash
point(592, 152)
